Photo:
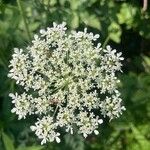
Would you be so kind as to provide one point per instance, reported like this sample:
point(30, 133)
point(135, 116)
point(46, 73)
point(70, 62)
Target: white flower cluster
point(68, 80)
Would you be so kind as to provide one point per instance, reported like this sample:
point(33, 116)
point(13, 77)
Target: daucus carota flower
point(68, 81)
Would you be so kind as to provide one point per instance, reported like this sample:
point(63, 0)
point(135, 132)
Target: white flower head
point(66, 79)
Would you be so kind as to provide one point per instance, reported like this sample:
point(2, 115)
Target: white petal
point(100, 121)
point(57, 139)
point(71, 131)
point(96, 132)
point(13, 110)
point(33, 128)
point(85, 135)
point(43, 141)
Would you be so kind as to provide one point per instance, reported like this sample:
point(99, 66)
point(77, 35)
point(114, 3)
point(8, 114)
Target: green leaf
point(91, 20)
point(146, 63)
point(38, 147)
point(114, 31)
point(34, 26)
point(74, 20)
point(8, 142)
point(142, 141)
point(74, 4)
point(126, 14)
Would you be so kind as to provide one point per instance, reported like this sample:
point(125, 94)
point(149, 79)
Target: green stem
point(55, 110)
point(106, 41)
point(24, 18)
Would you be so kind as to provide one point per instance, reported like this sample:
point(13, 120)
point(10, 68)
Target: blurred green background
point(123, 24)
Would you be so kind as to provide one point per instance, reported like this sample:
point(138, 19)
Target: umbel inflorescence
point(68, 82)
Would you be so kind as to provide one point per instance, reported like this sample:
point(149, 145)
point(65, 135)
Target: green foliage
point(114, 31)
point(30, 148)
point(122, 24)
point(74, 142)
point(8, 143)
